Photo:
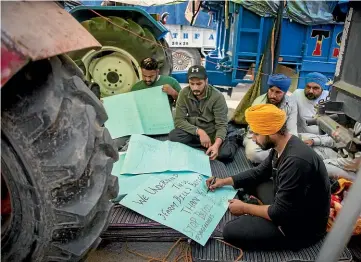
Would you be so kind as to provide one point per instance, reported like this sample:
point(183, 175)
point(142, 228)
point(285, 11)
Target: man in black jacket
point(295, 206)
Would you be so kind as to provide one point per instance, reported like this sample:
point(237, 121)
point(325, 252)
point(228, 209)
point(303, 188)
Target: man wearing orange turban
point(295, 206)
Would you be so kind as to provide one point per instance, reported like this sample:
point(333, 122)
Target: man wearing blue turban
point(276, 95)
point(316, 89)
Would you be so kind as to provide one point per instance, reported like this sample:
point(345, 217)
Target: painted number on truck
point(184, 38)
point(179, 43)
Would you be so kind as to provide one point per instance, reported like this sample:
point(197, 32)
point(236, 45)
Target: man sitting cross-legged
point(296, 207)
point(201, 118)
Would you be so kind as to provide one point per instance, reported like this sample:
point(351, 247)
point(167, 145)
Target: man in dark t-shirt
point(152, 78)
point(296, 203)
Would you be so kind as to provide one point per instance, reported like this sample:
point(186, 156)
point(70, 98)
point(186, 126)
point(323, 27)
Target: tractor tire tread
point(56, 129)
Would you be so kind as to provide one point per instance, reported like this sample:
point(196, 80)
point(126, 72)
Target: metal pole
point(226, 10)
point(277, 35)
point(341, 232)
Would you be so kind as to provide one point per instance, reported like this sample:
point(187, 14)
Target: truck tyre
point(184, 58)
point(56, 165)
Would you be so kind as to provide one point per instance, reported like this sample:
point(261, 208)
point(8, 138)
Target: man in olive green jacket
point(201, 118)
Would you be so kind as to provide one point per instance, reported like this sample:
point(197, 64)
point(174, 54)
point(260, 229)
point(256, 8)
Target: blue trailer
point(304, 48)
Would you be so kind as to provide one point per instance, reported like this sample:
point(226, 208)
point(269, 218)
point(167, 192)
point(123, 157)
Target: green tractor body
point(128, 35)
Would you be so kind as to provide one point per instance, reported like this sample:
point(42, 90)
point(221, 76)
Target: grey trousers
point(256, 155)
point(226, 152)
point(336, 171)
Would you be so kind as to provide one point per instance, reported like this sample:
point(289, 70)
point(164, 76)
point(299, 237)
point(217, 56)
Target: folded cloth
point(344, 185)
point(336, 206)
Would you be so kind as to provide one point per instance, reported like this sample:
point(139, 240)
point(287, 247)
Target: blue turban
point(317, 78)
point(279, 80)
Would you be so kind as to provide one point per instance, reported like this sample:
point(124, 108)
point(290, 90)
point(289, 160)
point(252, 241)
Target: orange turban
point(265, 119)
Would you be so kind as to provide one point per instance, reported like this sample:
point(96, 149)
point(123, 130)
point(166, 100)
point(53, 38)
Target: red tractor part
point(32, 31)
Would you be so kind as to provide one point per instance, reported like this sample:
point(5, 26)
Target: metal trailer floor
point(141, 232)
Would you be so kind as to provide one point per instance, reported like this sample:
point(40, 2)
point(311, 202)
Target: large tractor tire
point(184, 58)
point(124, 50)
point(56, 162)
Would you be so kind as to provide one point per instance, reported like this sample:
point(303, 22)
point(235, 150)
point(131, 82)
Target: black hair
point(149, 64)
point(283, 129)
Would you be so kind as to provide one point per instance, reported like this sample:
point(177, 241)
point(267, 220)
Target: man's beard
point(273, 103)
point(268, 144)
point(199, 93)
point(152, 82)
point(311, 96)
point(149, 83)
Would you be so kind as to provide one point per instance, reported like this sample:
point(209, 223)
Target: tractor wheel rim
point(115, 73)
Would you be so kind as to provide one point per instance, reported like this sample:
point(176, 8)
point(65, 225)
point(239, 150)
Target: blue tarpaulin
point(303, 12)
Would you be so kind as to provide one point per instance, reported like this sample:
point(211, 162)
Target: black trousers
point(256, 233)
point(226, 152)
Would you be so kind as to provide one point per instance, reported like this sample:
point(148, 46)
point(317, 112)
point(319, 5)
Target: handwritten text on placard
point(181, 201)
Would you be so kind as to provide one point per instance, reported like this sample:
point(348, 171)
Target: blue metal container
point(303, 48)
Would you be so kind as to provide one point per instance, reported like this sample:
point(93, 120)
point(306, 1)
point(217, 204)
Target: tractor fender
point(34, 31)
point(138, 15)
